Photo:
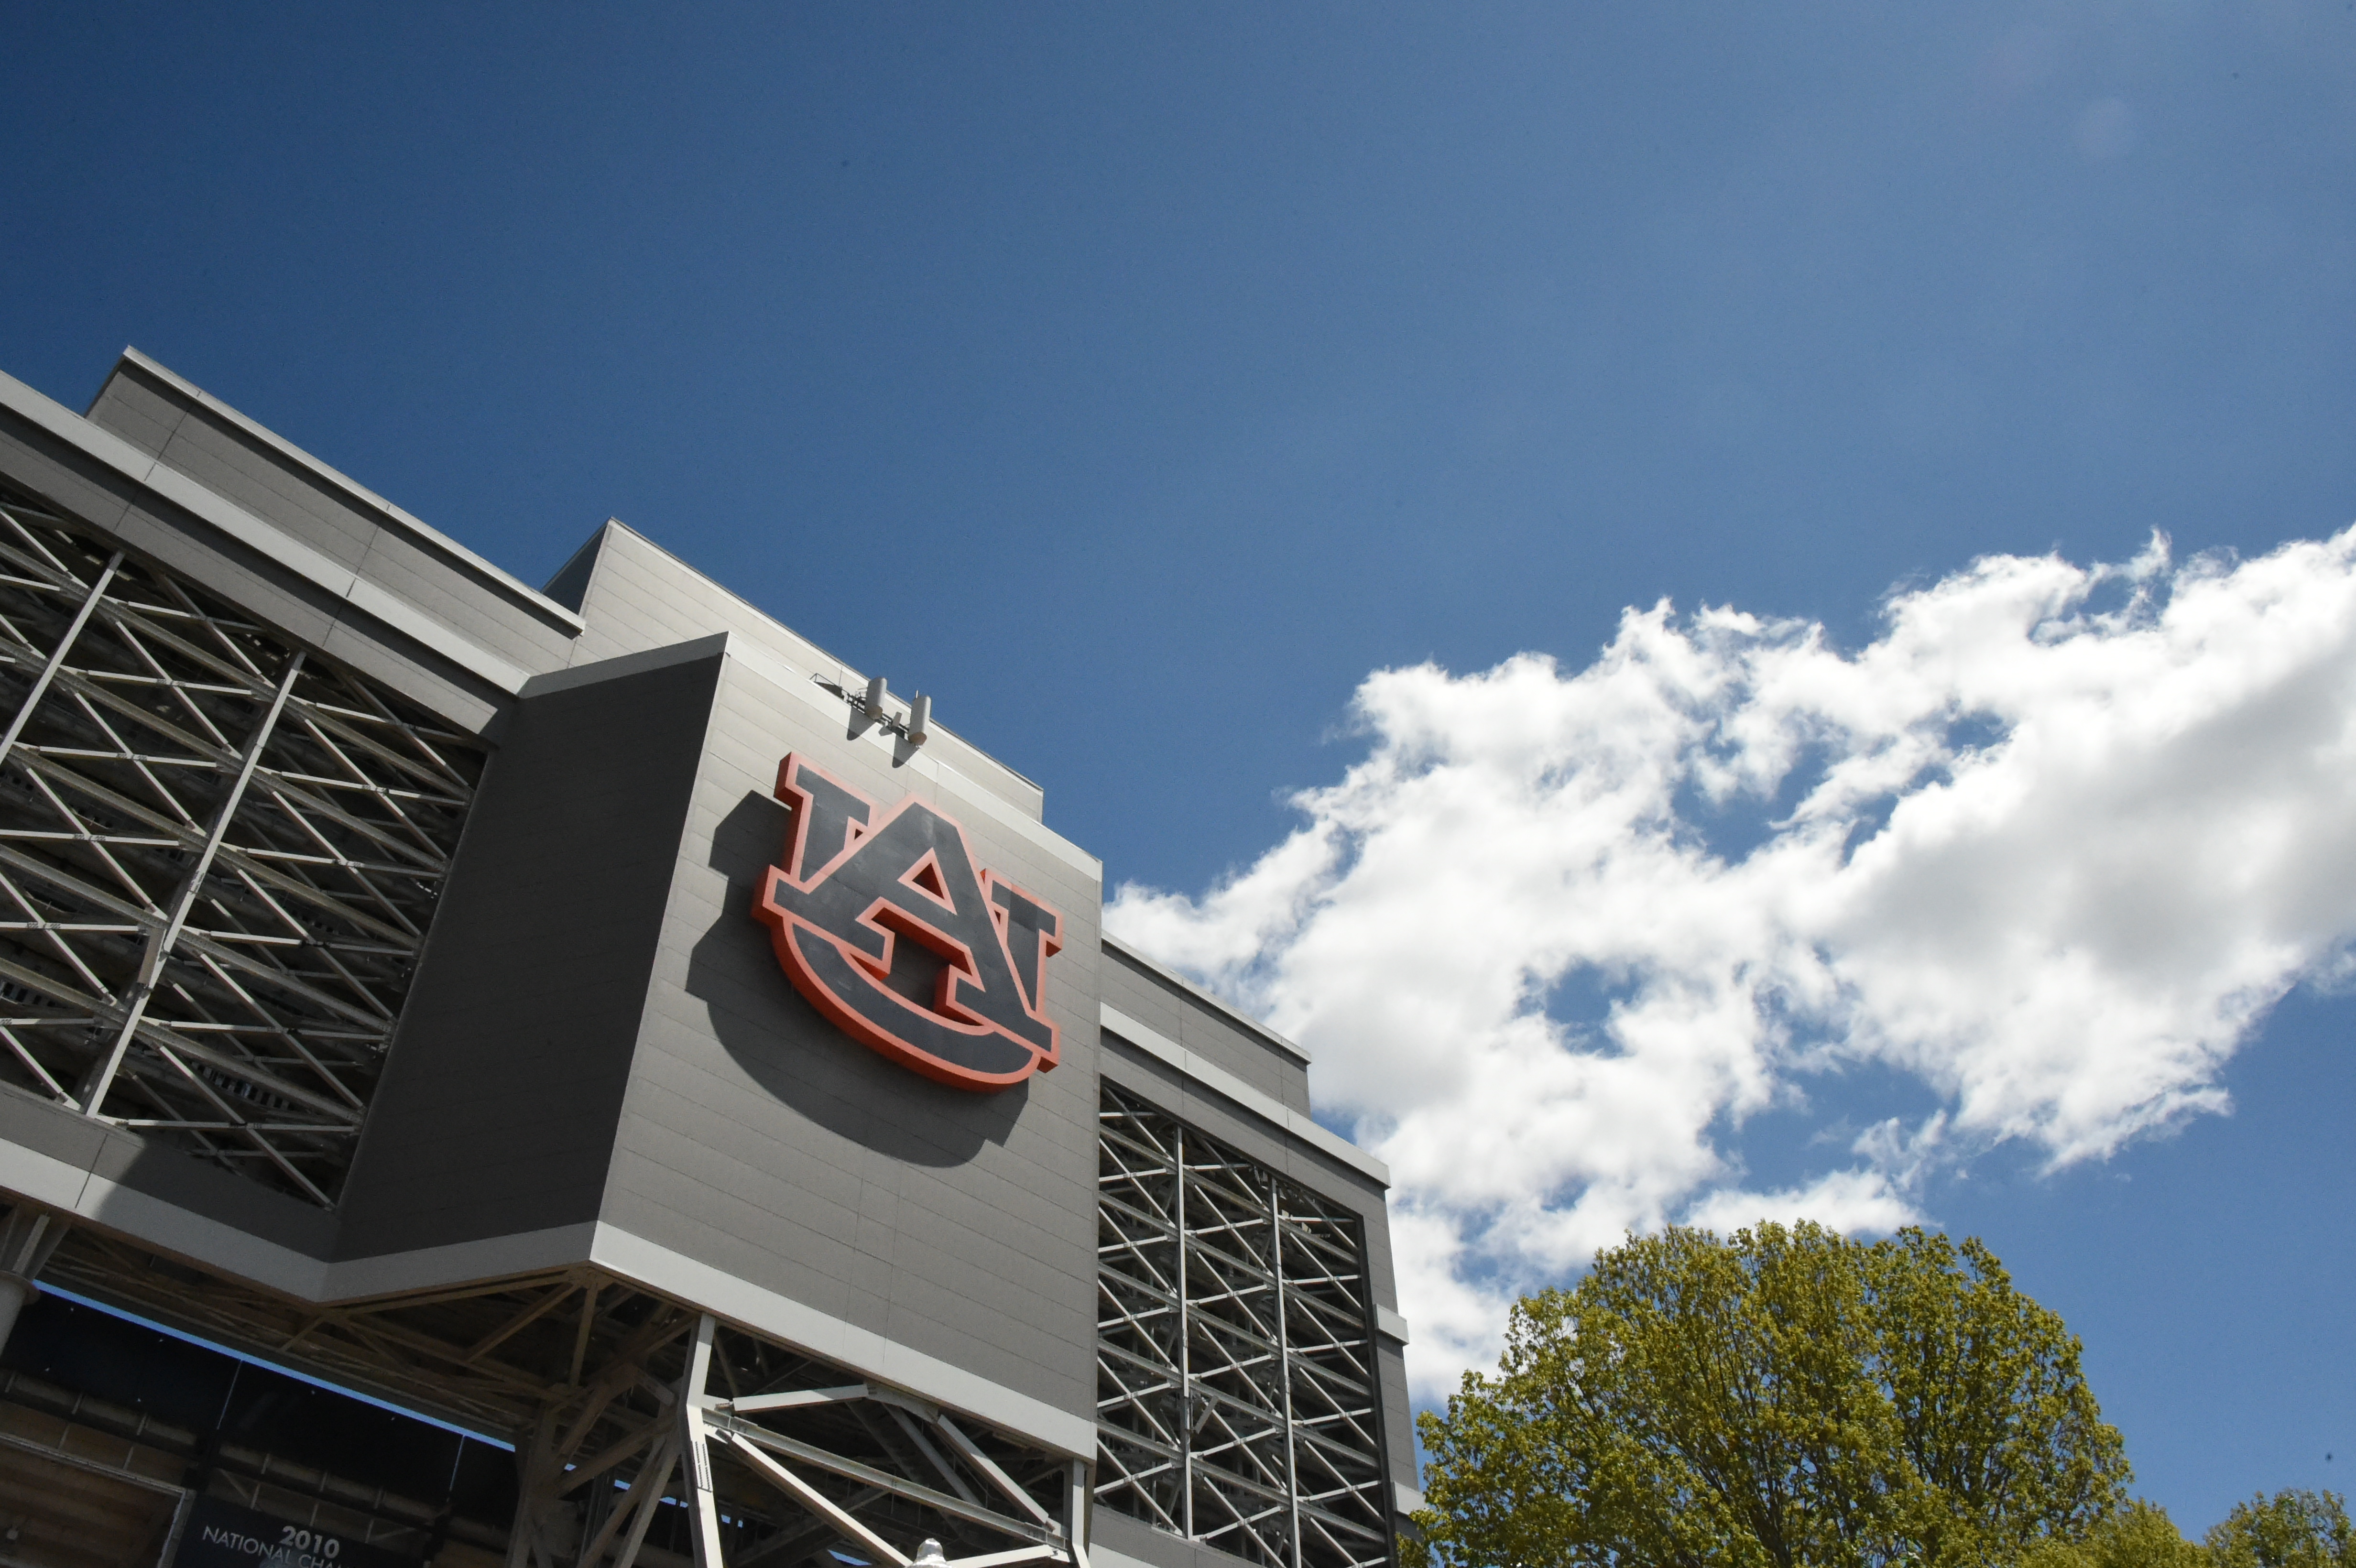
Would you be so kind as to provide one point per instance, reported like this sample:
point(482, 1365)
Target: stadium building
point(578, 1075)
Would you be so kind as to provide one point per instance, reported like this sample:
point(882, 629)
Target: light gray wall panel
point(119, 1156)
point(1194, 1023)
point(966, 1221)
point(427, 578)
point(232, 463)
point(500, 1096)
point(640, 596)
point(111, 506)
point(140, 412)
point(348, 526)
point(33, 460)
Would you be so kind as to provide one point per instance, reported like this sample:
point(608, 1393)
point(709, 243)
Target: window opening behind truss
point(219, 857)
point(1235, 1389)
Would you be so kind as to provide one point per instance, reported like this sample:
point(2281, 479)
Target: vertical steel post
point(1075, 1513)
point(1284, 1361)
point(1186, 1360)
point(534, 1468)
point(702, 1511)
point(27, 1240)
point(161, 940)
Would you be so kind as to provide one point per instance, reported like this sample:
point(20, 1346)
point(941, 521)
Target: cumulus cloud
point(2048, 848)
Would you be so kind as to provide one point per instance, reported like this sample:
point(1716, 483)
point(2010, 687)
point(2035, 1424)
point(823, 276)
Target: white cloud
point(2051, 846)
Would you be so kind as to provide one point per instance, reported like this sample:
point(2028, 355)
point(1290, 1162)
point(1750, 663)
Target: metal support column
point(27, 1239)
point(1187, 1420)
point(1284, 1367)
point(703, 1509)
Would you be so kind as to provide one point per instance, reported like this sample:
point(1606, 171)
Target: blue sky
point(1140, 380)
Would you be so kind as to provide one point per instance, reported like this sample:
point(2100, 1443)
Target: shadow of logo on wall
point(797, 1053)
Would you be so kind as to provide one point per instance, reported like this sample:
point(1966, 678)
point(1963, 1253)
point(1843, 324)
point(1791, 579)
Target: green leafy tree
point(2290, 1529)
point(2139, 1535)
point(1783, 1397)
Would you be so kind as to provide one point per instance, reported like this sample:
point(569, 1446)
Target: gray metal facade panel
point(750, 1113)
point(429, 579)
point(500, 1097)
point(140, 412)
point(349, 529)
point(124, 1159)
point(33, 460)
point(639, 596)
point(131, 1164)
point(1185, 1017)
point(231, 463)
point(1398, 1416)
point(147, 525)
point(471, 706)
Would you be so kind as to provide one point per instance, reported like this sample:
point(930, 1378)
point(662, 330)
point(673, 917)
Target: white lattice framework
point(219, 857)
point(1234, 1353)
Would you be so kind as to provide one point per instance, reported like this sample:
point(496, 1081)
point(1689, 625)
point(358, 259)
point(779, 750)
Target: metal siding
point(428, 578)
point(759, 1137)
point(639, 596)
point(500, 1096)
point(1185, 1019)
point(230, 463)
point(139, 411)
point(149, 525)
point(1398, 1419)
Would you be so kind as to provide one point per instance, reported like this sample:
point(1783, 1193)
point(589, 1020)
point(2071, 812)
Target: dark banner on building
point(220, 1534)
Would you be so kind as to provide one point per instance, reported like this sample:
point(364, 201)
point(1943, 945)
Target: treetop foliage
point(1783, 1397)
point(1787, 1396)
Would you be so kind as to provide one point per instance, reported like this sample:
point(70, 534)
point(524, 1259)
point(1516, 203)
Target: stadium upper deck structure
point(593, 1018)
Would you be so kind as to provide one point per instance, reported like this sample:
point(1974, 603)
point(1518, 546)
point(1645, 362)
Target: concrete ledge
point(659, 1268)
point(208, 1244)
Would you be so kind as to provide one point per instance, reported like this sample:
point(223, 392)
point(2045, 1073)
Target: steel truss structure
point(646, 1430)
point(218, 858)
point(1235, 1352)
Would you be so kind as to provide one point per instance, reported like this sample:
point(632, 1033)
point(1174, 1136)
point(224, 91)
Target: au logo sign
point(856, 885)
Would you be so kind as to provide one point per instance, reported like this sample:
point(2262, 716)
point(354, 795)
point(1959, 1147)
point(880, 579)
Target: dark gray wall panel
point(1398, 1419)
point(499, 1100)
